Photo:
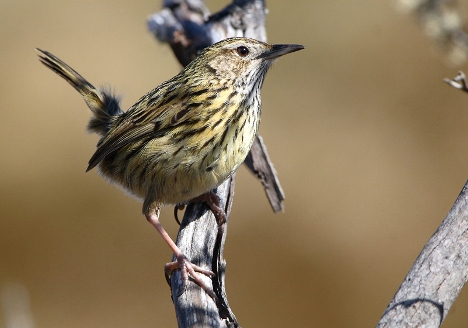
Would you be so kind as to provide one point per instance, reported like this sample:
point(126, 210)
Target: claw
point(213, 201)
point(188, 269)
point(178, 207)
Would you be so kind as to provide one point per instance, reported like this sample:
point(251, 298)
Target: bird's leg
point(213, 201)
point(186, 267)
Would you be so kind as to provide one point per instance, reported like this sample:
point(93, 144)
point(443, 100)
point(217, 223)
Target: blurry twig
point(443, 21)
point(458, 82)
point(15, 306)
point(437, 276)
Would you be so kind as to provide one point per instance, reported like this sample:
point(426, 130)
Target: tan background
point(371, 149)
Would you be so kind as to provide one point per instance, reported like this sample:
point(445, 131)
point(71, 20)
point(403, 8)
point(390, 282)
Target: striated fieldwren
point(186, 136)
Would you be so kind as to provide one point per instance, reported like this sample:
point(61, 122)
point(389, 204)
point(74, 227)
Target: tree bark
point(436, 278)
point(188, 27)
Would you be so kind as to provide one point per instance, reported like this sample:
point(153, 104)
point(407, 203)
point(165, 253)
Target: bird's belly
point(207, 171)
point(171, 175)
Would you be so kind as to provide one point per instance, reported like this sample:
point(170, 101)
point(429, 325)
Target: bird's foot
point(213, 201)
point(188, 269)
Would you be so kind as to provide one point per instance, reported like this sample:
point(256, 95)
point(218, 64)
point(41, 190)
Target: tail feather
point(103, 103)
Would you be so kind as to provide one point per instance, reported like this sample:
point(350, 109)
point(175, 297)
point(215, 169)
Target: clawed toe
point(213, 201)
point(188, 269)
point(177, 208)
point(185, 266)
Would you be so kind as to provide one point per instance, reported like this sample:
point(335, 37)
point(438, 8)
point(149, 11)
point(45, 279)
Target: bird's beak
point(278, 50)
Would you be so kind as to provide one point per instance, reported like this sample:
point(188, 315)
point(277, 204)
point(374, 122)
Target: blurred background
point(370, 147)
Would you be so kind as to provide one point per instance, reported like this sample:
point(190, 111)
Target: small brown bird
point(186, 136)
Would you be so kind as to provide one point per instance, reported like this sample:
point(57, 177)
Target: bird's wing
point(119, 139)
point(148, 118)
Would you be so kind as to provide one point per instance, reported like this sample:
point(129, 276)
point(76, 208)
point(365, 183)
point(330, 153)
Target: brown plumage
point(186, 136)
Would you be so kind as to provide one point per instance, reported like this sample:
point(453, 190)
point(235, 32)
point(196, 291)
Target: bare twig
point(458, 82)
point(188, 27)
point(436, 278)
point(259, 163)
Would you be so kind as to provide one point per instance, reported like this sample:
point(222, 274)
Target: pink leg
point(186, 267)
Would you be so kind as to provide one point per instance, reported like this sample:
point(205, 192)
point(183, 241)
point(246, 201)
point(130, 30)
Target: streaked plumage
point(186, 136)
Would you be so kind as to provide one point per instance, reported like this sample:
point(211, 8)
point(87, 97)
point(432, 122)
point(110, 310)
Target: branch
point(259, 164)
point(201, 241)
point(188, 28)
point(458, 82)
point(439, 273)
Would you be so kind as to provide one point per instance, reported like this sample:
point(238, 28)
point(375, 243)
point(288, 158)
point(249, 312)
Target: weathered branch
point(436, 278)
point(188, 27)
point(259, 163)
point(439, 273)
point(200, 240)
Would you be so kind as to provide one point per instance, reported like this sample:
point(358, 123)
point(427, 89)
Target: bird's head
point(241, 60)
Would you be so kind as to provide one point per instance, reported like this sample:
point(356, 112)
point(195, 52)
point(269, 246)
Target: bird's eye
point(242, 51)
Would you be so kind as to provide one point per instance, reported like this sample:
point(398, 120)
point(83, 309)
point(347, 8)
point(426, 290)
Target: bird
point(186, 136)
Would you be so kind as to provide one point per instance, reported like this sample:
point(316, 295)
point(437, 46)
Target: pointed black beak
point(278, 50)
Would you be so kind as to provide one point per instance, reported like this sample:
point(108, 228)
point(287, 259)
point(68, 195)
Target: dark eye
point(242, 51)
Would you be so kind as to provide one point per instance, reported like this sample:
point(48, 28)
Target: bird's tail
point(104, 105)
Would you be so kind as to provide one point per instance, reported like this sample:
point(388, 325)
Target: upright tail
point(104, 105)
